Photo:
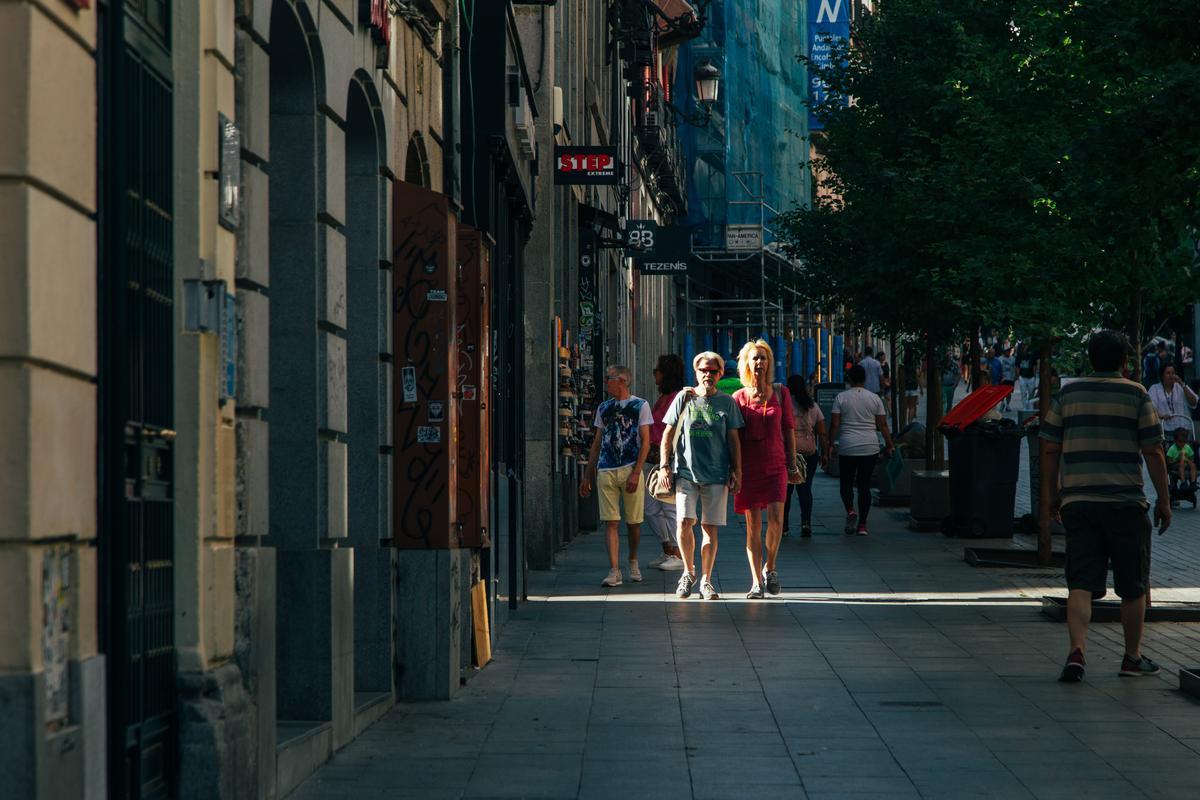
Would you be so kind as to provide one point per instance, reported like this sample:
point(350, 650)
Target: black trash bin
point(985, 460)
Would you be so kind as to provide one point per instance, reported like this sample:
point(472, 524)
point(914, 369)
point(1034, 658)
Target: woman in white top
point(857, 415)
point(1173, 400)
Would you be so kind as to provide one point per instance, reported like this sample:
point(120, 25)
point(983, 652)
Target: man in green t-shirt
point(705, 466)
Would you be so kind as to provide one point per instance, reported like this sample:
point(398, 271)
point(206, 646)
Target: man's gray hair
point(708, 355)
point(622, 371)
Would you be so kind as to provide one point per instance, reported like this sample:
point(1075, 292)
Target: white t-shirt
point(874, 372)
point(857, 434)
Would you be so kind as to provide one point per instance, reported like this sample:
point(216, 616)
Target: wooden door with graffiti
point(424, 356)
point(472, 330)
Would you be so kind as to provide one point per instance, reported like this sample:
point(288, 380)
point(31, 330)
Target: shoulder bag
point(659, 483)
point(800, 474)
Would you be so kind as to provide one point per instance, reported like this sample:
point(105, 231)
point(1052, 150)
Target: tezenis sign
point(586, 165)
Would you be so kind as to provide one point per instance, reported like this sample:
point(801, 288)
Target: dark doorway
point(136, 296)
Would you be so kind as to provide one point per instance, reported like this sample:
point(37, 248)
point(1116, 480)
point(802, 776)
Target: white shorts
point(712, 499)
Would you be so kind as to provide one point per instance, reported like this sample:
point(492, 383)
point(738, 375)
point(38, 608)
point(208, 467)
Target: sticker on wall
point(409, 379)
point(437, 411)
point(470, 393)
point(427, 434)
point(436, 295)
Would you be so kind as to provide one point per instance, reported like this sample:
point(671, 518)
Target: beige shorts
point(710, 499)
point(610, 484)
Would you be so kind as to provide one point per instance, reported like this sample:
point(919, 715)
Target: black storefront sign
point(586, 165)
point(659, 251)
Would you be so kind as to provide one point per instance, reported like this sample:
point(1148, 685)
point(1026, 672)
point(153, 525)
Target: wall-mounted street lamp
point(708, 83)
point(707, 79)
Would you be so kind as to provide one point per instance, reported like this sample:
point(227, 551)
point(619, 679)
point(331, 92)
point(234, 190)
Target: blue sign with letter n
point(828, 22)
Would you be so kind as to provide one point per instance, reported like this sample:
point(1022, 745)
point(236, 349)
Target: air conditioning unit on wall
point(526, 132)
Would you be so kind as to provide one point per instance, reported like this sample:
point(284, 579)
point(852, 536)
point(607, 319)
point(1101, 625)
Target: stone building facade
point(598, 69)
point(234, 537)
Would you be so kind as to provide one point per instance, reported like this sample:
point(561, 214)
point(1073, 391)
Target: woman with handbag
point(812, 446)
point(769, 444)
point(660, 514)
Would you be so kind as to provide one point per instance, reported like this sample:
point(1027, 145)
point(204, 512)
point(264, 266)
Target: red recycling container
point(972, 407)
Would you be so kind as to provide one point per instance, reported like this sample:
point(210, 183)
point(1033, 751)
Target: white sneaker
point(658, 562)
point(613, 579)
point(635, 574)
point(708, 591)
point(671, 564)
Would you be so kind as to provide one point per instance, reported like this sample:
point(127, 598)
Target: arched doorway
point(303, 627)
point(368, 288)
point(416, 162)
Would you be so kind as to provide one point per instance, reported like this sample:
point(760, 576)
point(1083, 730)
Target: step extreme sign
point(594, 166)
point(658, 250)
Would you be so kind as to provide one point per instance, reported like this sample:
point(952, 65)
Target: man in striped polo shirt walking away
point(1098, 431)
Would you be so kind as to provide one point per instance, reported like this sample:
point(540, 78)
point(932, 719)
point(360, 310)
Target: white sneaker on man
point(671, 564)
point(613, 579)
point(635, 573)
point(658, 562)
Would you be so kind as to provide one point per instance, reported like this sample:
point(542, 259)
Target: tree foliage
point(1026, 162)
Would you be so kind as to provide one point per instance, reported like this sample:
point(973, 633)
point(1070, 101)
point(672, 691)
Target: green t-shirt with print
point(702, 455)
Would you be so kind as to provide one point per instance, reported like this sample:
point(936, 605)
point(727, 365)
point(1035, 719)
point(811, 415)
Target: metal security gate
point(137, 374)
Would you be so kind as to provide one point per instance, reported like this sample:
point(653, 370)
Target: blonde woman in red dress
point(768, 454)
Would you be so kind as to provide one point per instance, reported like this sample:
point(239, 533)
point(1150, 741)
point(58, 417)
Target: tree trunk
point(1045, 490)
point(894, 392)
point(934, 452)
point(973, 359)
point(1136, 338)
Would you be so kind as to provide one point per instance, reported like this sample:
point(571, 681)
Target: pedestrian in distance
point(951, 373)
point(885, 376)
point(1008, 373)
point(858, 419)
point(913, 383)
point(619, 449)
point(1173, 400)
point(1152, 365)
point(812, 444)
point(1027, 372)
point(704, 467)
point(660, 516)
point(873, 370)
point(769, 447)
point(1098, 431)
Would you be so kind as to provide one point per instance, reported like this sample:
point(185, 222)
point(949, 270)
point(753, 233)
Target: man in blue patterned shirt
point(619, 450)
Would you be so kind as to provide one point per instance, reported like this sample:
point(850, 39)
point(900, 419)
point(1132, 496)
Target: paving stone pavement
point(887, 668)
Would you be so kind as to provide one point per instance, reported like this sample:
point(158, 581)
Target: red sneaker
point(1072, 671)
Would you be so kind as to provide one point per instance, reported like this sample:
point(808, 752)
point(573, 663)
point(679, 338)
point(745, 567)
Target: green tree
point(1027, 162)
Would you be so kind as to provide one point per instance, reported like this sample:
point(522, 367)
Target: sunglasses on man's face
point(709, 370)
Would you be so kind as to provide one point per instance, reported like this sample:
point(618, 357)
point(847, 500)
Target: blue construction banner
point(828, 21)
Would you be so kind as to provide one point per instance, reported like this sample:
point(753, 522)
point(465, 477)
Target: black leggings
point(856, 471)
point(803, 491)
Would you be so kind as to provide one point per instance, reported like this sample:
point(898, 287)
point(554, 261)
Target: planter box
point(1110, 611)
point(1189, 681)
point(1009, 557)
point(930, 499)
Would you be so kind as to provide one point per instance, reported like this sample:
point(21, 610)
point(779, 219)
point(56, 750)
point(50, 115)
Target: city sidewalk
point(887, 668)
